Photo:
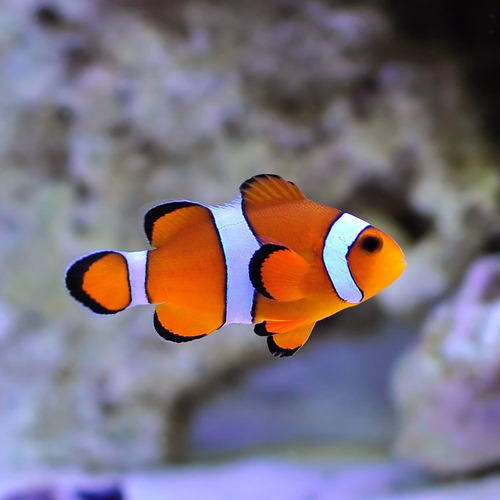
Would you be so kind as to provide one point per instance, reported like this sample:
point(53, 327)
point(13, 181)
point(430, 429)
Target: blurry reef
point(106, 106)
point(448, 388)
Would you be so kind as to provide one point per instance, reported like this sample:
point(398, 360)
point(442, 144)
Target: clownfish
point(270, 257)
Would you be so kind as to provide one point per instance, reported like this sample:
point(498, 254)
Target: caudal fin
point(105, 281)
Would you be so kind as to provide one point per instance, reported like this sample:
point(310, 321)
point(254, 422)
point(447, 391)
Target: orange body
point(272, 257)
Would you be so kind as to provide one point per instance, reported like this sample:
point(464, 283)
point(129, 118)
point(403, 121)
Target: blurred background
point(386, 109)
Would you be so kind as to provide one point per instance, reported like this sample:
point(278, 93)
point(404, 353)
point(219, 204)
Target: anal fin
point(182, 326)
point(277, 272)
point(284, 338)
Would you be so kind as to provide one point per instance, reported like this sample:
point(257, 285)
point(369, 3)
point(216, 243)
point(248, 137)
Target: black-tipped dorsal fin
point(269, 188)
point(163, 221)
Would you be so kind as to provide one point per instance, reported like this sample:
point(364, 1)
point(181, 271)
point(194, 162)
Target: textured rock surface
point(447, 387)
point(106, 106)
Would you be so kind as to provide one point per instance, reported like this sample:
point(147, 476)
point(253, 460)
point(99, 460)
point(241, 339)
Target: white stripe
point(341, 236)
point(137, 276)
point(239, 245)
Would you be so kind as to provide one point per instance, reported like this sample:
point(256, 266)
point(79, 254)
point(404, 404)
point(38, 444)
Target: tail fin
point(107, 281)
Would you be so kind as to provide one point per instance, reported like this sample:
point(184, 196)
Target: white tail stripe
point(239, 244)
point(341, 236)
point(136, 262)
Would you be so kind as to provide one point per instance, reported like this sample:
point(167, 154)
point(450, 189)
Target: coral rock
point(447, 388)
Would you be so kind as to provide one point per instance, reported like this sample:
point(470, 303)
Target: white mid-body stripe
point(239, 245)
point(137, 276)
point(341, 236)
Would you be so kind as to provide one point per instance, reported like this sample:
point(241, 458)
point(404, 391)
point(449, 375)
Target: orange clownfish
point(270, 257)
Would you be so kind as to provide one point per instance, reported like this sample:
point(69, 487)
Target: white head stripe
point(239, 244)
point(137, 276)
point(341, 236)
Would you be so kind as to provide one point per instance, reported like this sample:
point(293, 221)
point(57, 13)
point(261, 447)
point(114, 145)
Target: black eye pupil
point(371, 244)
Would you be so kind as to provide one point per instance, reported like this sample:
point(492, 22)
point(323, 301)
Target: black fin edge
point(261, 330)
point(278, 351)
point(255, 266)
point(159, 211)
point(166, 334)
point(74, 282)
point(248, 183)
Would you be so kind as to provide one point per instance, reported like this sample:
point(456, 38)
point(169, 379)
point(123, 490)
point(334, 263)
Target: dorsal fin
point(268, 188)
point(163, 221)
point(278, 273)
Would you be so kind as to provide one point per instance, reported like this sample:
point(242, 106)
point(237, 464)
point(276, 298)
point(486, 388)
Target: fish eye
point(371, 244)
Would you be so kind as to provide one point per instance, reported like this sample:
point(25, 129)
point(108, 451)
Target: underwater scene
point(312, 186)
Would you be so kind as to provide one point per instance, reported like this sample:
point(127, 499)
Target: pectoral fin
point(278, 272)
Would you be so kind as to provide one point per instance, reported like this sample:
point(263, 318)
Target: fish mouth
point(402, 263)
